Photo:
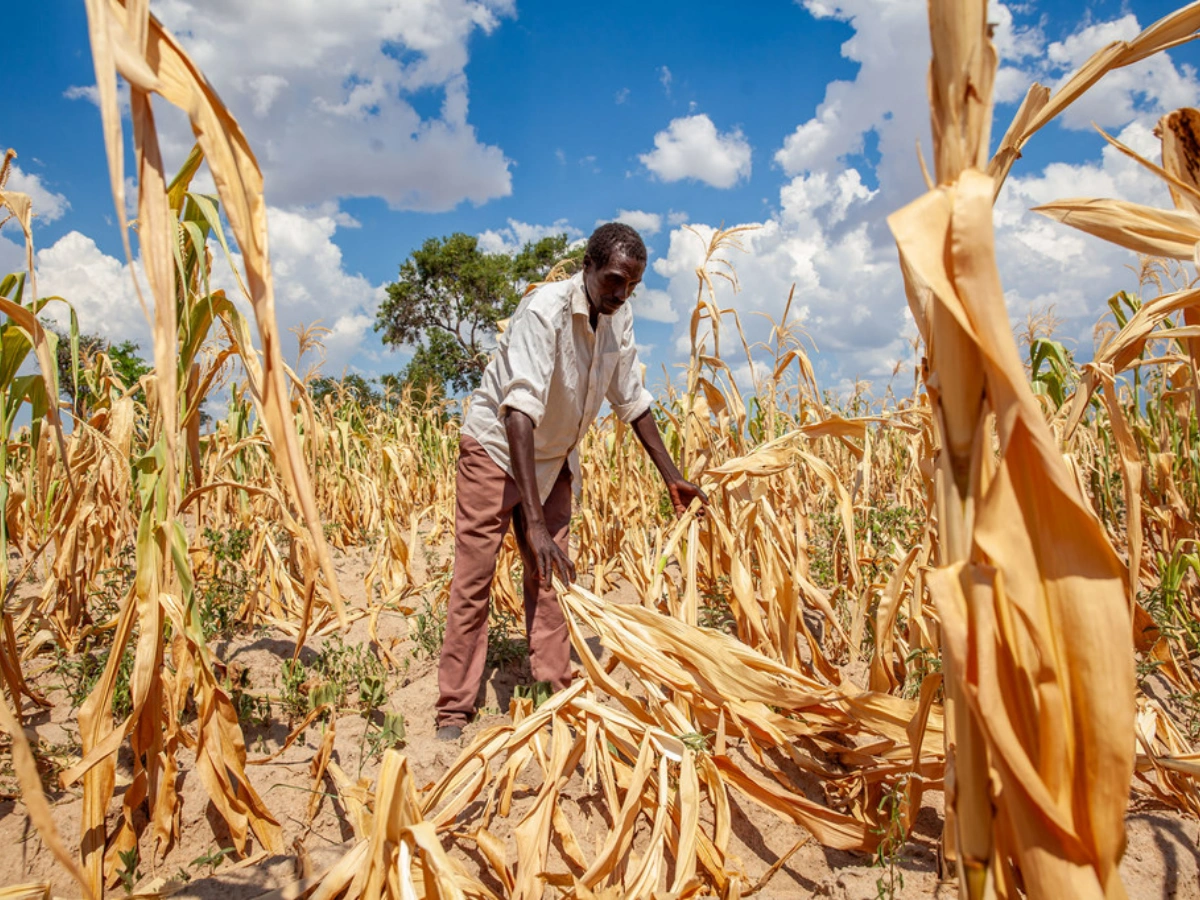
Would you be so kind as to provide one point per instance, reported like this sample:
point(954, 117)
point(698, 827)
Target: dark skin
point(607, 288)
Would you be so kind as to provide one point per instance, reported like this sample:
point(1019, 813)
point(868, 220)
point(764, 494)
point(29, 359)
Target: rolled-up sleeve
point(530, 356)
point(626, 393)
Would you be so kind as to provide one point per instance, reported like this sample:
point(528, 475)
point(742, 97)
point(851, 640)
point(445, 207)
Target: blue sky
point(380, 123)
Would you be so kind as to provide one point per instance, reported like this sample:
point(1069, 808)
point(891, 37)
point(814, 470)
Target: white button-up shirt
point(551, 366)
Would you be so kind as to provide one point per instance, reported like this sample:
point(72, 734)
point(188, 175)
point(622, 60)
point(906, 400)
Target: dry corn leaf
point(1143, 229)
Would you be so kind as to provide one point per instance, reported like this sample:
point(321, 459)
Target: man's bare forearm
point(647, 432)
point(682, 491)
point(519, 429)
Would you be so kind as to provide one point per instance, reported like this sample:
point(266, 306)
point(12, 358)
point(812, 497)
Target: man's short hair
point(615, 237)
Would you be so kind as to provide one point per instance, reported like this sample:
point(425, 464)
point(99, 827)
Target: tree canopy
point(448, 301)
point(126, 365)
point(352, 385)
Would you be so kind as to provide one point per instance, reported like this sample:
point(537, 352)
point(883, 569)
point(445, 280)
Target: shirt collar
point(579, 303)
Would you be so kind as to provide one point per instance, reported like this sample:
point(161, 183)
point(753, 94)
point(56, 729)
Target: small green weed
point(430, 631)
point(347, 666)
point(1189, 703)
point(502, 648)
point(921, 661)
point(879, 532)
point(1168, 602)
point(378, 738)
point(340, 673)
point(53, 758)
point(292, 696)
point(539, 692)
point(1147, 667)
point(893, 839)
point(81, 672)
point(115, 582)
point(826, 529)
point(666, 509)
point(122, 703)
point(251, 710)
point(327, 693)
point(372, 693)
point(696, 742)
point(715, 611)
point(223, 591)
point(128, 873)
point(212, 859)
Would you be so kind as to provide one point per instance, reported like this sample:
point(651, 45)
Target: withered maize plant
point(1048, 553)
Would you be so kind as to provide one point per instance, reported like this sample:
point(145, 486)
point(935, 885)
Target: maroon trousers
point(487, 500)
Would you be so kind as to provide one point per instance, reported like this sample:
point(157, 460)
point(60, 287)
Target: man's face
point(609, 286)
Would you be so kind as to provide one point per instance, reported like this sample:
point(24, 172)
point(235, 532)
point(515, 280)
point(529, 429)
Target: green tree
point(353, 386)
point(123, 357)
point(126, 363)
point(449, 299)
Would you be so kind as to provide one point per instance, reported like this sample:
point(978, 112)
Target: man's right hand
point(547, 556)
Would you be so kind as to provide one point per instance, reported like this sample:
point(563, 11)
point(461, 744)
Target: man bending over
point(568, 347)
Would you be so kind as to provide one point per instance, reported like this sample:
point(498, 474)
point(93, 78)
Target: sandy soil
point(1161, 861)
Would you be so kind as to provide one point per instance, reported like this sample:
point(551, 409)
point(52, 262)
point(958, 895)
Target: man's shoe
point(449, 732)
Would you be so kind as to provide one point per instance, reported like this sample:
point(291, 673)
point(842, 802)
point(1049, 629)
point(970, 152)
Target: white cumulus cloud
point(827, 234)
point(311, 286)
point(1151, 87)
point(654, 305)
point(1045, 263)
point(12, 250)
point(513, 237)
point(48, 205)
point(691, 147)
point(97, 285)
point(891, 47)
point(642, 222)
point(839, 271)
point(328, 94)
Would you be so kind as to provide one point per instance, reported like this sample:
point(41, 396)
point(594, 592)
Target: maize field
point(952, 633)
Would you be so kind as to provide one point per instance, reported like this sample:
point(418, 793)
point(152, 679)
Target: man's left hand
point(683, 493)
